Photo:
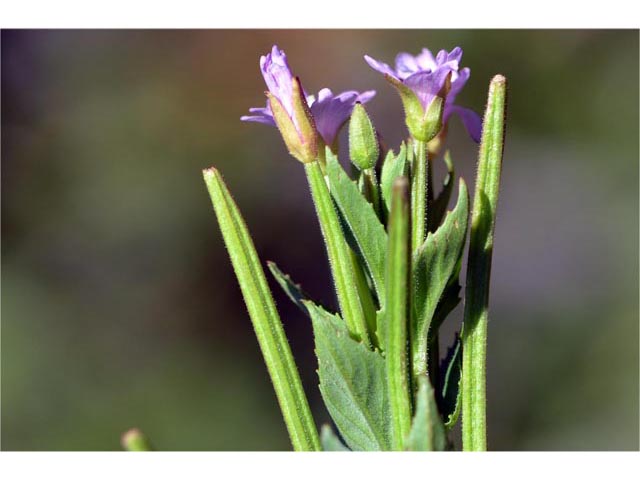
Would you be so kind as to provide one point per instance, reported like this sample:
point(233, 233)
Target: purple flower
point(331, 111)
point(328, 111)
point(426, 76)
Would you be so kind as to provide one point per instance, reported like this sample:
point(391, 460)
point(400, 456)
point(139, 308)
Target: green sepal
point(434, 264)
point(363, 224)
point(427, 430)
point(448, 399)
point(423, 124)
point(353, 383)
point(330, 441)
point(363, 141)
point(394, 166)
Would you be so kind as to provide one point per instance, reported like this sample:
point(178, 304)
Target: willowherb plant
point(395, 254)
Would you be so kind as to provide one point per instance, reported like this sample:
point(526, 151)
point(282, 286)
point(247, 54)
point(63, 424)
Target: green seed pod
point(363, 141)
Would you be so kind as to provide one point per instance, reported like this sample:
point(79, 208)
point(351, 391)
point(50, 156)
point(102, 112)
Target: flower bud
point(363, 141)
point(298, 130)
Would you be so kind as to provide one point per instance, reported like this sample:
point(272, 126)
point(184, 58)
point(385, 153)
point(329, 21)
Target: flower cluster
point(308, 122)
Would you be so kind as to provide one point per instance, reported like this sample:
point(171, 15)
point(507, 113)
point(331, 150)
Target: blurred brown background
point(119, 303)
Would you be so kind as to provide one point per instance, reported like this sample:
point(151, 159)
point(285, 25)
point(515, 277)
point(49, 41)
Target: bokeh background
point(119, 304)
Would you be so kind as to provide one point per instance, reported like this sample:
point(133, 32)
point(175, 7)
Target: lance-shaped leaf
point(427, 431)
point(449, 389)
point(362, 221)
point(439, 206)
point(474, 332)
point(435, 263)
point(394, 166)
point(339, 254)
point(291, 289)
point(353, 383)
point(264, 316)
point(330, 441)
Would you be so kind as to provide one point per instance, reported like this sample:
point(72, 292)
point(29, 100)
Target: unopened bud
point(298, 131)
point(363, 141)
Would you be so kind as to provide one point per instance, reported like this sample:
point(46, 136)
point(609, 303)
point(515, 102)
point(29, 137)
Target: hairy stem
point(397, 310)
point(419, 195)
point(474, 334)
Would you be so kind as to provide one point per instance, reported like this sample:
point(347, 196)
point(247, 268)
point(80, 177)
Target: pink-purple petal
point(455, 55)
point(426, 85)
point(425, 60)
point(277, 75)
point(331, 111)
point(380, 67)
point(406, 65)
point(364, 97)
point(458, 83)
point(266, 119)
point(470, 119)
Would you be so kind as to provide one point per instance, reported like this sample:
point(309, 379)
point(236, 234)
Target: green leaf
point(394, 166)
point(359, 215)
point(264, 316)
point(291, 289)
point(366, 297)
point(338, 251)
point(483, 217)
point(368, 186)
point(395, 326)
point(449, 300)
point(435, 263)
point(330, 441)
point(439, 205)
point(427, 431)
point(449, 389)
point(353, 383)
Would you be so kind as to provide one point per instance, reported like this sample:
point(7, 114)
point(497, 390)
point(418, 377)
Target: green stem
point(474, 334)
point(419, 195)
point(396, 307)
point(339, 254)
point(366, 298)
point(371, 188)
point(264, 316)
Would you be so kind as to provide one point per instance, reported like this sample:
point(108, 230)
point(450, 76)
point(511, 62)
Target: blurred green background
point(119, 304)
